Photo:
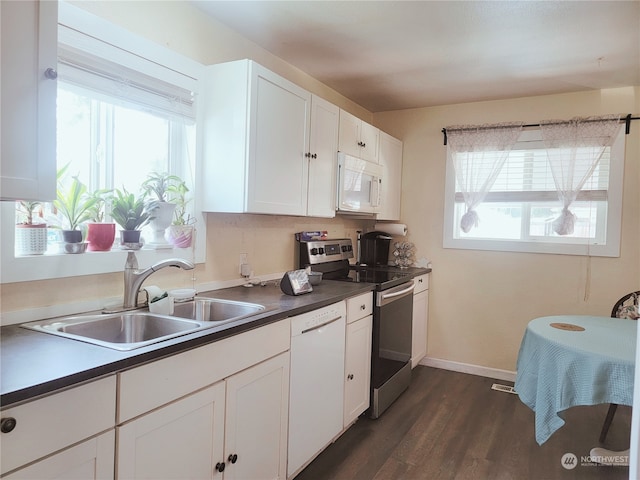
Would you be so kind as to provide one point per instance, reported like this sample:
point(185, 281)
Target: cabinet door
point(279, 125)
point(28, 107)
point(349, 134)
point(256, 421)
point(323, 147)
point(91, 459)
point(369, 142)
point(181, 440)
point(357, 369)
point(419, 337)
point(390, 159)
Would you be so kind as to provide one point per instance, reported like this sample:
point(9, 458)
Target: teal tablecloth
point(559, 369)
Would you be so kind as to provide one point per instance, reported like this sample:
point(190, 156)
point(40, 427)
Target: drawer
point(421, 282)
point(359, 307)
point(144, 388)
point(54, 422)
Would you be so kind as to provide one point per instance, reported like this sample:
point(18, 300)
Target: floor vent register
point(502, 388)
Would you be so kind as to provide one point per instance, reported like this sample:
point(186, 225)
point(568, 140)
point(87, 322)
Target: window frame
point(128, 47)
point(584, 247)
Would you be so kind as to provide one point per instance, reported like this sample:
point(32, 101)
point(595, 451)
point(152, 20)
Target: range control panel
point(322, 251)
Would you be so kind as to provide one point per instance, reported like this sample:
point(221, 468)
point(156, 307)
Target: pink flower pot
point(180, 236)
point(100, 236)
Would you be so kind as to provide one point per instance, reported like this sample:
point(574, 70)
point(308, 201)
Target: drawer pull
point(220, 466)
point(7, 424)
point(233, 458)
point(363, 307)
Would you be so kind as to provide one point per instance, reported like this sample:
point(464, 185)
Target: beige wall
point(480, 302)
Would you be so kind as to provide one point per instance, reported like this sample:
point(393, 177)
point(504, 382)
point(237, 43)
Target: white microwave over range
point(359, 185)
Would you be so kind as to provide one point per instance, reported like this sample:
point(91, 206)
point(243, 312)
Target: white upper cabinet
point(28, 107)
point(256, 135)
point(323, 146)
point(391, 162)
point(358, 138)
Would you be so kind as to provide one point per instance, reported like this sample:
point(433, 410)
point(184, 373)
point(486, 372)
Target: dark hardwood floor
point(451, 425)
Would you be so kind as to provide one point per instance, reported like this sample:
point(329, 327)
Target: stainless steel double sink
point(130, 330)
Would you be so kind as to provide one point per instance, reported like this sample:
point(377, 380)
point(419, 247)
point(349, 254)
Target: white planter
point(163, 215)
point(31, 240)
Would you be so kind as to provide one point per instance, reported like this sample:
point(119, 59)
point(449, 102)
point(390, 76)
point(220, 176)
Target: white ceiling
point(389, 55)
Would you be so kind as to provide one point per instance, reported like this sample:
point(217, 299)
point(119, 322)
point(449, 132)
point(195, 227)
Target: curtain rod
point(626, 120)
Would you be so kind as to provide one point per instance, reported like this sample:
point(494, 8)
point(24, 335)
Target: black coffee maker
point(373, 248)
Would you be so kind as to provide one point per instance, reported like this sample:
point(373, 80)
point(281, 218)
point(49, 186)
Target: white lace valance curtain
point(478, 153)
point(574, 149)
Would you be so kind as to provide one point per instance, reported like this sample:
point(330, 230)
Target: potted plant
point(100, 234)
point(159, 186)
point(131, 213)
point(180, 232)
point(30, 237)
point(74, 205)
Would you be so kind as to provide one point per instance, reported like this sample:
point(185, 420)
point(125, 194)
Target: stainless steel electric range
point(392, 317)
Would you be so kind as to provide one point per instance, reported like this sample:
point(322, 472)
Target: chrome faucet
point(133, 278)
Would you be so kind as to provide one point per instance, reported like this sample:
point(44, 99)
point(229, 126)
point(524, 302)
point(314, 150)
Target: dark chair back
point(627, 307)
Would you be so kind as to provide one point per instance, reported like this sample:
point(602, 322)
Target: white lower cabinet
point(357, 373)
point(69, 431)
point(234, 429)
point(256, 421)
point(181, 440)
point(420, 318)
point(357, 369)
point(187, 415)
point(89, 460)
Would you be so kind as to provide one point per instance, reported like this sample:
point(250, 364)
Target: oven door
point(391, 346)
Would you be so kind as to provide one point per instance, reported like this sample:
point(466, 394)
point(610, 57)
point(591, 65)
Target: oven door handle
point(390, 295)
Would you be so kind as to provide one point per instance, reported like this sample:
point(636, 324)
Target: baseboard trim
point(479, 370)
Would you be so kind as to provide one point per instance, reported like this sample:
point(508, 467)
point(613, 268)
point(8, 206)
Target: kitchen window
point(125, 108)
point(518, 211)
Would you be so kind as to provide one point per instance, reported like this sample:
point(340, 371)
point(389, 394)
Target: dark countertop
point(36, 363)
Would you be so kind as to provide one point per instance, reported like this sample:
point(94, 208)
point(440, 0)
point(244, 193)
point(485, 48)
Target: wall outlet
point(245, 270)
point(244, 259)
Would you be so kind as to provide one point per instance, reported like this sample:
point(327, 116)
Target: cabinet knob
point(233, 458)
point(7, 424)
point(350, 376)
point(314, 155)
point(363, 307)
point(220, 466)
point(307, 155)
point(51, 73)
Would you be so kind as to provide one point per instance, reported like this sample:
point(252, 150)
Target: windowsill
point(52, 266)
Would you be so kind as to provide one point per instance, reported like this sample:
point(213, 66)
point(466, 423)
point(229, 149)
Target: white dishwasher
point(316, 393)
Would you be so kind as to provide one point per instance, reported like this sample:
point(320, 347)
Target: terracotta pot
point(130, 236)
point(100, 236)
point(180, 236)
point(31, 239)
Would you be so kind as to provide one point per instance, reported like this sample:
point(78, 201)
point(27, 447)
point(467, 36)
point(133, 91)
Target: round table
point(571, 360)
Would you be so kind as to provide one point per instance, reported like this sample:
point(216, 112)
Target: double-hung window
point(125, 108)
point(518, 211)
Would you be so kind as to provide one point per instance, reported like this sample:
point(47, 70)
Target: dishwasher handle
point(388, 296)
point(328, 322)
